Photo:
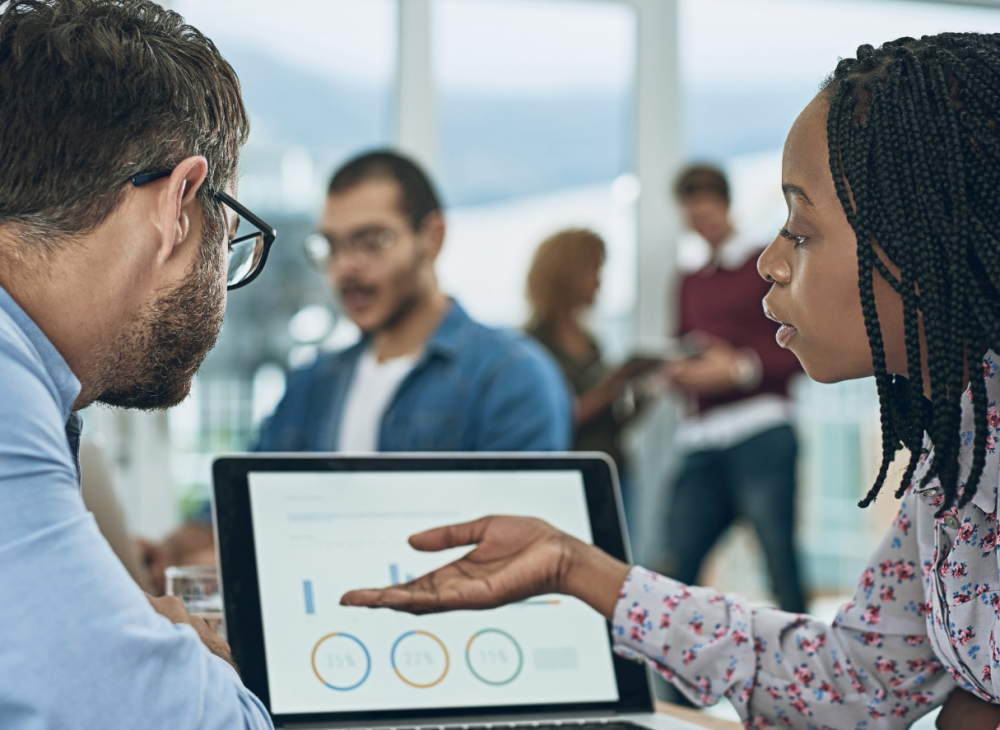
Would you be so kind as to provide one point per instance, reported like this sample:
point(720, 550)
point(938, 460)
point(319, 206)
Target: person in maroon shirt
point(737, 439)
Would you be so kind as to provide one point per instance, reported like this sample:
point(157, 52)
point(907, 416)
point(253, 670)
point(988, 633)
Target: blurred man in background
point(424, 376)
point(737, 439)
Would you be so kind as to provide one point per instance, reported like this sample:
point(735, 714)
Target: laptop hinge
point(455, 721)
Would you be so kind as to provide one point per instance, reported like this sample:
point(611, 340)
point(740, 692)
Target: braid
point(914, 149)
point(837, 122)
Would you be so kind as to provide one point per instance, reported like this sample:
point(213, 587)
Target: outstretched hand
point(514, 558)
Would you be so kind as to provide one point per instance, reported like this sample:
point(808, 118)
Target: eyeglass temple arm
point(246, 214)
point(148, 177)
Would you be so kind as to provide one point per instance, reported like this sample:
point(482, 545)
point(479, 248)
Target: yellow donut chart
point(444, 650)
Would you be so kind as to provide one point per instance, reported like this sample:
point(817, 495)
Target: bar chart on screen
point(394, 575)
point(318, 536)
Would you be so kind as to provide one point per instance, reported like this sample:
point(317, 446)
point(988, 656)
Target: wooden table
point(697, 718)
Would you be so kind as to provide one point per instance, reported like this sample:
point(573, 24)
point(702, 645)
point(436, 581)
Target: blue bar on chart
point(393, 574)
point(307, 587)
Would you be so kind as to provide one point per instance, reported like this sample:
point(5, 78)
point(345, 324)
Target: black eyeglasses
point(248, 250)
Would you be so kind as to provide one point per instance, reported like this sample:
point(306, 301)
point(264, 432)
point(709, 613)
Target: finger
point(415, 600)
point(169, 607)
point(366, 597)
point(147, 550)
point(396, 598)
point(442, 538)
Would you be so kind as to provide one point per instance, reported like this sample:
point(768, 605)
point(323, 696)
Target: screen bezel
point(238, 565)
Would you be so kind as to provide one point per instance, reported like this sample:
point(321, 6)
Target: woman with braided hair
point(888, 265)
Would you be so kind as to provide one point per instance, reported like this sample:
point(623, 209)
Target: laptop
point(298, 531)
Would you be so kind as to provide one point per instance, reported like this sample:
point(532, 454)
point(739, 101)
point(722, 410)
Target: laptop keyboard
point(609, 725)
point(567, 725)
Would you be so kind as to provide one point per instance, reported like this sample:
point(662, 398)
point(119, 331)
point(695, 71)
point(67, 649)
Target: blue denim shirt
point(80, 646)
point(474, 389)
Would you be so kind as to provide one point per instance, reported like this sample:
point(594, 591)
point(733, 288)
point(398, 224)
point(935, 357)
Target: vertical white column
point(415, 122)
point(137, 447)
point(659, 150)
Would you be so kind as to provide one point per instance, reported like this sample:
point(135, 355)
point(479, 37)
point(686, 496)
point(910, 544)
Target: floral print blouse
point(925, 618)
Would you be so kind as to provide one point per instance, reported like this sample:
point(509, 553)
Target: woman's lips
point(786, 332)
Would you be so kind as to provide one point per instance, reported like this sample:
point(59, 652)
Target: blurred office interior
point(533, 115)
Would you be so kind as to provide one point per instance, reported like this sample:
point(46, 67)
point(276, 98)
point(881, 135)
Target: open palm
point(515, 558)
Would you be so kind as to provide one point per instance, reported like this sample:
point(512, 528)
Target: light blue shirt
point(80, 646)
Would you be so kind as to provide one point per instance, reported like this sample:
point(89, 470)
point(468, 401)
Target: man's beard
point(405, 281)
point(152, 363)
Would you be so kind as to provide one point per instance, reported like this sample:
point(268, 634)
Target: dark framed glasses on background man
point(249, 248)
point(366, 245)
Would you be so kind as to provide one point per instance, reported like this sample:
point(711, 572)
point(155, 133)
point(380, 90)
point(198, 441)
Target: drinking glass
point(198, 587)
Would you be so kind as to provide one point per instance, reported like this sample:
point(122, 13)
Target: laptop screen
point(320, 534)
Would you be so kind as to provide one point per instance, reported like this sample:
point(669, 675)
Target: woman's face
point(588, 285)
point(813, 265)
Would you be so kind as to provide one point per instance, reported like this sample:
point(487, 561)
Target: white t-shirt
point(372, 389)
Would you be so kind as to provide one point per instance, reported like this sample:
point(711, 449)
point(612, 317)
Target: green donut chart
point(494, 657)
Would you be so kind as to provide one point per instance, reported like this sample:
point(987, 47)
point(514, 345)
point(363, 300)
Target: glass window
point(748, 69)
point(535, 120)
point(318, 79)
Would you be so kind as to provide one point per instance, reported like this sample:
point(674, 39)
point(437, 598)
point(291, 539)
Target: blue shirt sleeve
point(80, 645)
point(525, 405)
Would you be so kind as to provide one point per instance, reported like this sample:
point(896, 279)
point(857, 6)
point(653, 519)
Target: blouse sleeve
point(873, 668)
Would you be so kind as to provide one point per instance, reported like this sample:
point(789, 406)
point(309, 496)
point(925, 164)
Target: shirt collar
point(735, 251)
point(66, 383)
point(985, 497)
point(447, 339)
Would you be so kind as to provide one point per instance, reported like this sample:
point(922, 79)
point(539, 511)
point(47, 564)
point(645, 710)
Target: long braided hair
point(914, 136)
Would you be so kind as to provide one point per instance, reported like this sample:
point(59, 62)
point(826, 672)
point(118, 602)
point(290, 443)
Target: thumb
point(442, 538)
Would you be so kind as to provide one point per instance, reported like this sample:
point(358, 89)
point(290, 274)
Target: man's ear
point(178, 204)
point(432, 230)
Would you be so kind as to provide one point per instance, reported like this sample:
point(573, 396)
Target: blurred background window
point(535, 133)
point(747, 70)
point(538, 118)
point(318, 79)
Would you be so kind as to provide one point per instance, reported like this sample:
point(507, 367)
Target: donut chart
point(494, 657)
point(341, 662)
point(420, 659)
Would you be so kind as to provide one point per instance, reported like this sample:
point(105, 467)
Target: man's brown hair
point(95, 91)
point(695, 179)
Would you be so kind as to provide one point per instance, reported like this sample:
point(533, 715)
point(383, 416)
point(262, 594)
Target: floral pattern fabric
point(925, 618)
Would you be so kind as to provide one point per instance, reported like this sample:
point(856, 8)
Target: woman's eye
point(799, 240)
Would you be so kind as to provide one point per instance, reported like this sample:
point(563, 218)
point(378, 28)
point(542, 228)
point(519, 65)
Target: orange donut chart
point(368, 661)
point(447, 659)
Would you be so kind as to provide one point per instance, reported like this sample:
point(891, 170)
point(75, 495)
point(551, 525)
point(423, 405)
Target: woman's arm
point(874, 665)
point(964, 711)
point(598, 399)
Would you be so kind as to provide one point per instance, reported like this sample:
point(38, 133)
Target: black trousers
point(754, 479)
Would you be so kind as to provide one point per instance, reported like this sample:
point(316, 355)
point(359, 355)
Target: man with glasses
point(120, 135)
point(423, 376)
